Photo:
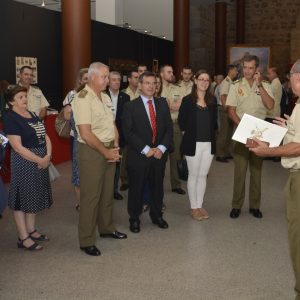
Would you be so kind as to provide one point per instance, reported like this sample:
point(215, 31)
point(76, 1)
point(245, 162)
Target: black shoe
point(91, 250)
point(124, 187)
point(221, 159)
point(235, 213)
point(160, 222)
point(118, 196)
point(179, 191)
point(256, 213)
point(115, 235)
point(134, 225)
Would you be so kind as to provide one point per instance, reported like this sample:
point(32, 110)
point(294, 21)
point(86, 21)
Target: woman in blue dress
point(30, 189)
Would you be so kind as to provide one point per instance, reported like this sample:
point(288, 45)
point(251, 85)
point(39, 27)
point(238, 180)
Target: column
point(181, 35)
point(240, 21)
point(76, 39)
point(220, 37)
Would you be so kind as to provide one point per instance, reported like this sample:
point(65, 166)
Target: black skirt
point(30, 189)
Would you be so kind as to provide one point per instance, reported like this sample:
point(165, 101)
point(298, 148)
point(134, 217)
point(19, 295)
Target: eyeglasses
point(203, 80)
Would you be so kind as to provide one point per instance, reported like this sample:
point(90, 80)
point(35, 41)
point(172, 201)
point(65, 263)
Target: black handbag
point(182, 168)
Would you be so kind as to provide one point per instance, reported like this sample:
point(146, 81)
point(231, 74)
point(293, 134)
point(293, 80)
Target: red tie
point(152, 120)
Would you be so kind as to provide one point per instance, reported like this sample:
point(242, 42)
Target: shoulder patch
point(82, 93)
point(227, 80)
point(265, 81)
point(35, 87)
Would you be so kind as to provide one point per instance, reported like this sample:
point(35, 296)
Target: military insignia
point(227, 79)
point(240, 92)
point(82, 93)
point(238, 80)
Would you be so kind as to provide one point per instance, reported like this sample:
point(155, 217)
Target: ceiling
point(157, 21)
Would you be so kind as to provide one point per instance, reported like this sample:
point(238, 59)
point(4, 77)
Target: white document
point(251, 127)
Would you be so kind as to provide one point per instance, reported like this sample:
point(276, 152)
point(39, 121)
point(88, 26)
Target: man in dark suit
point(148, 131)
point(118, 99)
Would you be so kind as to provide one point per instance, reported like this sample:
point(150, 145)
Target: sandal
point(41, 238)
point(33, 247)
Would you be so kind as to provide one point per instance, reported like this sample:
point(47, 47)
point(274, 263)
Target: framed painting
point(236, 54)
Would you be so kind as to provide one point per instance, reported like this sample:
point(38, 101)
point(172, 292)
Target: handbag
point(62, 126)
point(53, 173)
point(182, 168)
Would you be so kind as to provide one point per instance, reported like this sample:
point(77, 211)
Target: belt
point(294, 170)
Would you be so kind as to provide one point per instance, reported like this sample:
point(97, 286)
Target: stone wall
point(295, 41)
point(268, 23)
point(202, 37)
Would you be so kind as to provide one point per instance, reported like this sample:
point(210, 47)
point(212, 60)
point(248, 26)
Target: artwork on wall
point(26, 61)
point(236, 54)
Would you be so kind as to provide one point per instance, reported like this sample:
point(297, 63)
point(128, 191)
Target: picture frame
point(22, 61)
point(236, 53)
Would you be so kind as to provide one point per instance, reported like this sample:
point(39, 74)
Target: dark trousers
point(242, 158)
point(150, 171)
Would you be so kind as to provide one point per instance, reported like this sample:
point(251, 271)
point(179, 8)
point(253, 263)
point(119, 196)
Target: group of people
point(130, 135)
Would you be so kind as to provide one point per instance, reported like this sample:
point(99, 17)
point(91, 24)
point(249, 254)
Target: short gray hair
point(94, 68)
point(296, 67)
point(114, 73)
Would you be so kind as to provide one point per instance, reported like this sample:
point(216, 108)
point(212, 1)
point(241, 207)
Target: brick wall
point(268, 23)
point(202, 37)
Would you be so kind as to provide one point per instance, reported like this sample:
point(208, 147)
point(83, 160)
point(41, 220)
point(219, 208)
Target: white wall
point(153, 15)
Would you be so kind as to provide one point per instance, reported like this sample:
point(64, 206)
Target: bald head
point(295, 78)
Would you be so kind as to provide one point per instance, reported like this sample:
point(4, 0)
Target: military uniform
point(247, 99)
point(172, 94)
point(292, 191)
point(131, 93)
point(96, 174)
point(277, 92)
point(226, 125)
point(185, 89)
point(36, 100)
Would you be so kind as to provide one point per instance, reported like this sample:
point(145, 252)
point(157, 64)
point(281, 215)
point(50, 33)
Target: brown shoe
point(204, 213)
point(196, 214)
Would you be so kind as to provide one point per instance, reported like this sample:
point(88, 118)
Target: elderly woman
point(81, 81)
point(198, 120)
point(30, 190)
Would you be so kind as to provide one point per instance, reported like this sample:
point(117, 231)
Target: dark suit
point(138, 133)
point(122, 99)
